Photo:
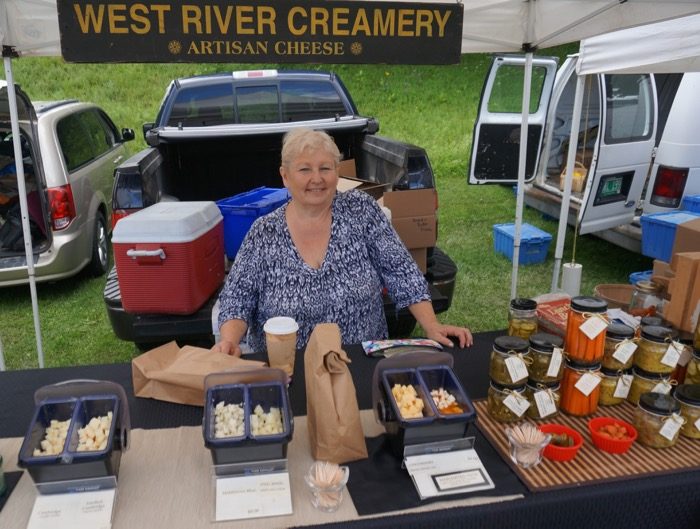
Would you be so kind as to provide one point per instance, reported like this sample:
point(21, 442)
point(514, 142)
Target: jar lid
point(659, 403)
point(545, 342)
point(588, 304)
point(658, 333)
point(647, 286)
point(688, 394)
point(534, 384)
point(648, 375)
point(505, 344)
point(610, 372)
point(619, 331)
point(652, 320)
point(523, 304)
point(696, 353)
point(501, 387)
point(580, 366)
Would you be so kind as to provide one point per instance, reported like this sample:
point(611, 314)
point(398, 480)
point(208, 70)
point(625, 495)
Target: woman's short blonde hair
point(296, 141)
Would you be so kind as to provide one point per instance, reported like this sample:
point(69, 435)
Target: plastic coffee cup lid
point(281, 325)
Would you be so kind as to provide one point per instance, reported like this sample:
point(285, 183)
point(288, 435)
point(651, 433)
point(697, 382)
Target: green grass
point(432, 106)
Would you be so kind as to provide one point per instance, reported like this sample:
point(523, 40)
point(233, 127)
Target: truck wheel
point(99, 262)
point(400, 327)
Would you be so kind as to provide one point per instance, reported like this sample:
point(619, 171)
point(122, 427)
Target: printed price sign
point(554, 363)
point(516, 368)
point(517, 405)
point(587, 383)
point(624, 351)
point(593, 326)
point(622, 388)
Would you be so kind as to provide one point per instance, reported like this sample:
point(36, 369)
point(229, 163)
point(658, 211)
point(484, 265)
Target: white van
point(638, 147)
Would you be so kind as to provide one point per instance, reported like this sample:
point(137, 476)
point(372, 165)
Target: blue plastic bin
point(692, 203)
point(240, 211)
point(659, 232)
point(534, 242)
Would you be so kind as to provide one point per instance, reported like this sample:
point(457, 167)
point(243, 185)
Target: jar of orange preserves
point(580, 388)
point(578, 344)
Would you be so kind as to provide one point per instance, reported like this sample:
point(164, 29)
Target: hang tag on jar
point(587, 383)
point(672, 355)
point(516, 368)
point(685, 356)
point(554, 363)
point(697, 424)
point(593, 326)
point(671, 426)
point(545, 403)
point(624, 351)
point(622, 388)
point(663, 387)
point(517, 405)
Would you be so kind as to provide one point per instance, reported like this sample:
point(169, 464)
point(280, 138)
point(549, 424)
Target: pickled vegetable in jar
point(615, 385)
point(544, 399)
point(547, 364)
point(580, 388)
point(657, 420)
point(522, 317)
point(646, 298)
point(506, 404)
point(588, 313)
point(619, 346)
point(509, 361)
point(696, 336)
point(681, 368)
point(643, 382)
point(656, 352)
point(688, 395)
point(692, 373)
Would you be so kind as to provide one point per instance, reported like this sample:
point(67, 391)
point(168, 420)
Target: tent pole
point(522, 159)
point(566, 198)
point(22, 189)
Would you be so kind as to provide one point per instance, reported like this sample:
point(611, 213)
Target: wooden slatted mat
point(592, 465)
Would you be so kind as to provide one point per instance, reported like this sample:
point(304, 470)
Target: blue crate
point(534, 242)
point(635, 277)
point(692, 203)
point(659, 232)
point(240, 211)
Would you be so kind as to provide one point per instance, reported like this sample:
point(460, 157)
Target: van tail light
point(669, 186)
point(61, 206)
point(119, 214)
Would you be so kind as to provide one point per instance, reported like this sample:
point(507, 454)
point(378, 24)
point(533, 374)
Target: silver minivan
point(70, 150)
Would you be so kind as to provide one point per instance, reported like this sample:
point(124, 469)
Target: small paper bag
point(335, 431)
point(177, 374)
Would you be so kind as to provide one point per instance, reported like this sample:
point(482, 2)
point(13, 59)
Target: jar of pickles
point(644, 382)
point(646, 298)
point(619, 347)
point(657, 420)
point(688, 395)
point(614, 386)
point(696, 336)
point(544, 399)
point(587, 345)
point(522, 317)
point(506, 404)
point(546, 351)
point(509, 361)
point(580, 388)
point(653, 353)
point(692, 374)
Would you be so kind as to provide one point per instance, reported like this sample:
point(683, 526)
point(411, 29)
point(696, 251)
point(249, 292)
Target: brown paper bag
point(335, 431)
point(177, 374)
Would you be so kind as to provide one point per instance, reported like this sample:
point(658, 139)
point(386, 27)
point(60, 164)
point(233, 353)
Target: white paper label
point(253, 496)
point(554, 363)
point(516, 368)
point(593, 326)
point(587, 383)
point(671, 426)
point(685, 356)
point(662, 387)
point(545, 403)
point(697, 424)
point(624, 351)
point(673, 353)
point(73, 510)
point(622, 388)
point(517, 405)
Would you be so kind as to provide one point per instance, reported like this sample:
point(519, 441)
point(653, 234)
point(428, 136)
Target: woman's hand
point(441, 334)
point(227, 347)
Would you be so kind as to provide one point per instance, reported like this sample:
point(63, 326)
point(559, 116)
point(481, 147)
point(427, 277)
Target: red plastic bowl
point(614, 446)
point(561, 453)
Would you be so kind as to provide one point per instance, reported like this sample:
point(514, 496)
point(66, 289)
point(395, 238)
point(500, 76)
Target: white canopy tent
point(30, 28)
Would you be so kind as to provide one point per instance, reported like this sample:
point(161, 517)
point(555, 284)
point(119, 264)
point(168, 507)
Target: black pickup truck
point(219, 135)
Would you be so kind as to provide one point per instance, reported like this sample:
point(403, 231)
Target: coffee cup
point(281, 341)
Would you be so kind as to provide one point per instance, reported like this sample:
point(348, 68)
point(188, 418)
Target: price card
point(516, 368)
point(624, 351)
point(73, 510)
point(671, 426)
point(554, 362)
point(622, 388)
point(685, 357)
point(545, 403)
point(662, 387)
point(593, 326)
point(672, 355)
point(254, 496)
point(697, 424)
point(517, 405)
point(587, 383)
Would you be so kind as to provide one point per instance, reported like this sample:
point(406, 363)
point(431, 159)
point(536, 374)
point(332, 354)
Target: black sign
point(277, 31)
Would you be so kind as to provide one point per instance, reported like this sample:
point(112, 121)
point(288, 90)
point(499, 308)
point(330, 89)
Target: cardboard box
point(413, 216)
point(347, 168)
point(684, 290)
point(420, 256)
point(687, 237)
point(552, 313)
point(661, 274)
point(373, 189)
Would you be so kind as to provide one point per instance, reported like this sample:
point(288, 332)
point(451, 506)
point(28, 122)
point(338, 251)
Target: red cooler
point(169, 257)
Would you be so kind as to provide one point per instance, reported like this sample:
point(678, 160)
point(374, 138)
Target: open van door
point(617, 174)
point(496, 137)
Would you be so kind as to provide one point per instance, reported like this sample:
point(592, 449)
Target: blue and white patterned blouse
point(269, 278)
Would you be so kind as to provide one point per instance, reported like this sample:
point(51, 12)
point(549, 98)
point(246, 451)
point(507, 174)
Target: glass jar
point(617, 335)
point(643, 382)
point(678, 373)
point(653, 344)
point(542, 347)
point(650, 320)
point(651, 419)
point(574, 401)
point(688, 395)
point(610, 378)
point(578, 345)
point(533, 387)
point(505, 348)
point(646, 298)
point(692, 374)
point(496, 402)
point(522, 317)
point(696, 336)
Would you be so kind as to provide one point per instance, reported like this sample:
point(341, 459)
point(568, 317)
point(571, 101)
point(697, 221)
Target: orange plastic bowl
point(561, 453)
point(614, 446)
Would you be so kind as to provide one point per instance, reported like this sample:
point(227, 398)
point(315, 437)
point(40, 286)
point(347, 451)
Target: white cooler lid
point(168, 222)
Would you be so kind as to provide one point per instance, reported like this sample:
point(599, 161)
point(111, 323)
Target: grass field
point(433, 107)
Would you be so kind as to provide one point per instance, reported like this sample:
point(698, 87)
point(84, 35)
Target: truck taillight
point(62, 206)
point(669, 186)
point(119, 214)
